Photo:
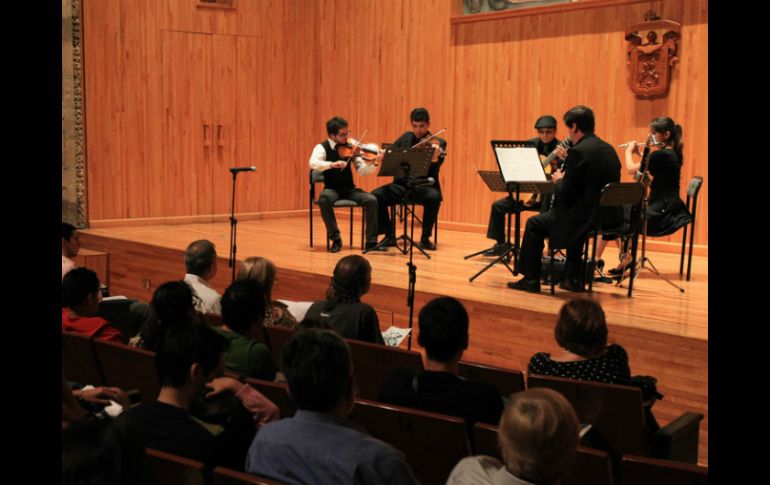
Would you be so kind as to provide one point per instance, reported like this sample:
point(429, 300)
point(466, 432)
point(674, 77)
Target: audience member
point(172, 304)
point(243, 308)
point(343, 308)
point(538, 438)
point(190, 357)
point(200, 260)
point(444, 336)
point(81, 298)
point(318, 445)
point(263, 271)
point(581, 330)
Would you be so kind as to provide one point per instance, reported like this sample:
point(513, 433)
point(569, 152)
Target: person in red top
point(81, 298)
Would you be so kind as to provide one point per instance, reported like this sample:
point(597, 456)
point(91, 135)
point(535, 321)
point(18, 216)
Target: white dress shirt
point(208, 298)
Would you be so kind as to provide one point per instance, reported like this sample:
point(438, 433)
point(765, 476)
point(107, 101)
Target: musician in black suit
point(545, 143)
point(427, 195)
point(590, 164)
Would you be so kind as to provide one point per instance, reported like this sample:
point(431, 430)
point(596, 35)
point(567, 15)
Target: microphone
point(243, 169)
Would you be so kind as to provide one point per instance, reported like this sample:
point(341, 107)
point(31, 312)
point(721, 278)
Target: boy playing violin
point(338, 181)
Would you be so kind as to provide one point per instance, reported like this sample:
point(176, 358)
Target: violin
point(369, 152)
point(433, 142)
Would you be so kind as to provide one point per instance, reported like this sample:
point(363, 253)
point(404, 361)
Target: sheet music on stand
point(494, 180)
point(520, 164)
point(395, 158)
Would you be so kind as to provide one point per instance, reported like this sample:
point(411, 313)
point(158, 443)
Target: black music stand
point(497, 183)
point(410, 164)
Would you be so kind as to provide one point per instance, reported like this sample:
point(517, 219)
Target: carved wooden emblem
point(651, 53)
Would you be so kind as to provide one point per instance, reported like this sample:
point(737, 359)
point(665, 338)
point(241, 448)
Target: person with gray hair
point(538, 435)
point(200, 260)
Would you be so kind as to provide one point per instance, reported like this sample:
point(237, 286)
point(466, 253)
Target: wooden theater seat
point(617, 416)
point(79, 360)
point(433, 443)
point(639, 470)
point(506, 381)
point(128, 368)
point(373, 364)
point(170, 469)
point(276, 336)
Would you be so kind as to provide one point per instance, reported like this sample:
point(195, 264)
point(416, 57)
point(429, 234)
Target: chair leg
point(311, 223)
point(551, 265)
point(593, 258)
point(692, 237)
point(351, 228)
point(363, 226)
point(435, 232)
point(684, 245)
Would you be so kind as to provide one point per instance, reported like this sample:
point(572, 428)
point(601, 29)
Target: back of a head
point(77, 285)
point(313, 324)
point(419, 114)
point(261, 270)
point(352, 277)
point(199, 256)
point(318, 369)
point(443, 328)
point(67, 230)
point(243, 305)
point(182, 347)
point(539, 436)
point(582, 117)
point(103, 452)
point(173, 302)
point(582, 327)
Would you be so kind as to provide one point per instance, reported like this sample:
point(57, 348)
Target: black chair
point(318, 177)
point(614, 195)
point(692, 205)
point(616, 414)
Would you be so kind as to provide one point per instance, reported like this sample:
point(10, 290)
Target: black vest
point(335, 178)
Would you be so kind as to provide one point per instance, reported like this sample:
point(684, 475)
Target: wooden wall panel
point(299, 64)
point(508, 72)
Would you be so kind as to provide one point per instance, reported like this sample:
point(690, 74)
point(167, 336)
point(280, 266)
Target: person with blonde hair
point(538, 435)
point(263, 271)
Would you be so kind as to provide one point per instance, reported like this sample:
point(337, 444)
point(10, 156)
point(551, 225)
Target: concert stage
point(664, 331)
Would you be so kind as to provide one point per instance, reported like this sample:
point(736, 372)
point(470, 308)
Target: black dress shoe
point(497, 250)
point(526, 284)
point(336, 246)
point(375, 247)
point(571, 284)
point(388, 242)
point(426, 244)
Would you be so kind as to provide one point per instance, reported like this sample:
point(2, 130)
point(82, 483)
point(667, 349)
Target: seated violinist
point(334, 157)
point(429, 195)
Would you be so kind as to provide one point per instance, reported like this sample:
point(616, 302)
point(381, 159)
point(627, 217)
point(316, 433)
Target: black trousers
point(392, 194)
point(326, 204)
point(538, 228)
point(496, 226)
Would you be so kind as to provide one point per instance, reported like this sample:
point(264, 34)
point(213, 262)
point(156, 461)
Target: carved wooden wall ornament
point(651, 53)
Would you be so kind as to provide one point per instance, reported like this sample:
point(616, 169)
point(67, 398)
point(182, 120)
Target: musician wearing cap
point(590, 164)
point(427, 195)
point(334, 157)
point(545, 143)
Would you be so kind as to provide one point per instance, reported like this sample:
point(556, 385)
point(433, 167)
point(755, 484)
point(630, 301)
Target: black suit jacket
point(590, 165)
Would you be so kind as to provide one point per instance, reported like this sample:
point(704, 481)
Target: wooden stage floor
point(664, 331)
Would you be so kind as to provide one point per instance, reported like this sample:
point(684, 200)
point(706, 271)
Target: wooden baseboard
point(152, 221)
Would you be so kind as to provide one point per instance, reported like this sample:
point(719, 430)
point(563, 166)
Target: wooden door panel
point(225, 97)
point(188, 132)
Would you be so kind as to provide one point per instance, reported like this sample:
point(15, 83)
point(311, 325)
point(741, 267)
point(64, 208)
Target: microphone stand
point(412, 273)
point(233, 231)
